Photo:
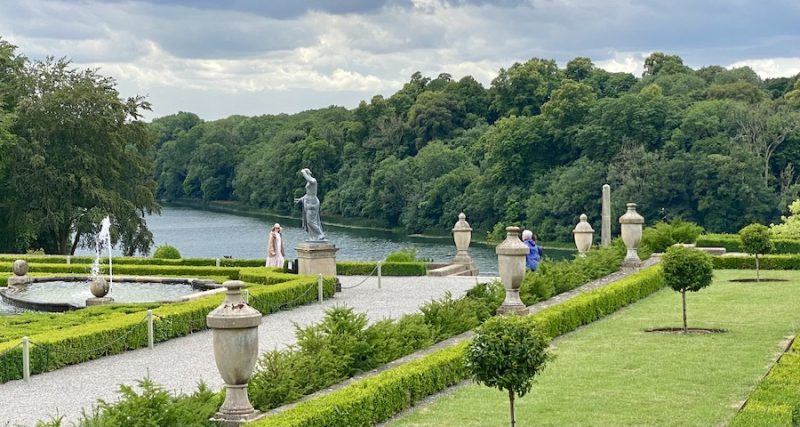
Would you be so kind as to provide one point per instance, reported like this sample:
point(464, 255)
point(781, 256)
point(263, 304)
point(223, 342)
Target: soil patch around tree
point(751, 280)
point(679, 330)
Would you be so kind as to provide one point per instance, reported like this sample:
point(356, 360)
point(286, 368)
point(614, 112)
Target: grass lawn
point(612, 373)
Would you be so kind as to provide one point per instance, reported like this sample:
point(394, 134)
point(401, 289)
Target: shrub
point(767, 262)
point(756, 240)
point(166, 252)
point(555, 277)
point(403, 255)
point(686, 269)
point(790, 229)
point(506, 353)
point(732, 243)
point(363, 268)
point(663, 235)
point(155, 407)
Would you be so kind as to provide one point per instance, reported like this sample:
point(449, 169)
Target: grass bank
point(612, 373)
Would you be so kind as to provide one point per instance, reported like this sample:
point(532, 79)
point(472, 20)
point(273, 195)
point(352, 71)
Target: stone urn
point(20, 269)
point(511, 263)
point(583, 234)
point(99, 287)
point(631, 228)
point(462, 235)
point(235, 341)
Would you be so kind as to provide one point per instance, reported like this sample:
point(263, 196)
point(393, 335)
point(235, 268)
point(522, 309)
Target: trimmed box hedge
point(765, 262)
point(732, 243)
point(377, 398)
point(364, 268)
point(776, 399)
point(204, 262)
point(139, 270)
point(128, 331)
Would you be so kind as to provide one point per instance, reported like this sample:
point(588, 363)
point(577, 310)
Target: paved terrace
point(181, 363)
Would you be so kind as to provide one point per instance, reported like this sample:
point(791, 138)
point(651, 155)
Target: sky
point(253, 57)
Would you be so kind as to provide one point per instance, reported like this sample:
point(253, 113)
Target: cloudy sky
point(251, 57)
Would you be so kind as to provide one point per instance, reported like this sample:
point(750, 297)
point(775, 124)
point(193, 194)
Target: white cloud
point(771, 67)
point(624, 62)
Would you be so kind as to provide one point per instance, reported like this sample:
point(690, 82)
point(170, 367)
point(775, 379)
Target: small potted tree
point(756, 240)
point(507, 353)
point(685, 270)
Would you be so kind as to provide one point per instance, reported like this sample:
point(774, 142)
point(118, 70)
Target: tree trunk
point(75, 243)
point(683, 298)
point(511, 401)
point(758, 277)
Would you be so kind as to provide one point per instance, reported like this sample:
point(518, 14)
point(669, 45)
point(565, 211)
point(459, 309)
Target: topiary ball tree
point(686, 269)
point(507, 353)
point(756, 240)
point(167, 252)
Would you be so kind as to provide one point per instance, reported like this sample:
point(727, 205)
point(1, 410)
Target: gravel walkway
point(179, 364)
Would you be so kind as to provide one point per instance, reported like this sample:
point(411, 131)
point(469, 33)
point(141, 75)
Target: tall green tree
point(82, 153)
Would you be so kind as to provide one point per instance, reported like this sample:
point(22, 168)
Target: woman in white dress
point(275, 251)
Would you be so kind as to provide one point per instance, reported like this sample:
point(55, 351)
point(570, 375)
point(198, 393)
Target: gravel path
point(179, 364)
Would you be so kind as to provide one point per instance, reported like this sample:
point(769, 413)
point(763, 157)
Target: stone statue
point(310, 203)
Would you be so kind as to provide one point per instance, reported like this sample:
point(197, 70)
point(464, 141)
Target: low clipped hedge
point(62, 259)
point(776, 399)
point(66, 346)
point(133, 269)
point(367, 402)
point(378, 398)
point(732, 243)
point(765, 262)
point(363, 268)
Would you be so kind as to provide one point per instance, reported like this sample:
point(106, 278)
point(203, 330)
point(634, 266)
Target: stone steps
point(453, 270)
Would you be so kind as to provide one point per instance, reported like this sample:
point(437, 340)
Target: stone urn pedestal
point(462, 236)
point(234, 326)
point(99, 288)
point(631, 228)
point(316, 258)
point(511, 263)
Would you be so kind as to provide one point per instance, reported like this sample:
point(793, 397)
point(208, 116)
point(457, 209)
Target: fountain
point(70, 292)
point(99, 286)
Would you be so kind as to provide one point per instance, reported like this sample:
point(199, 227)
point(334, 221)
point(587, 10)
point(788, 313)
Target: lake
point(209, 234)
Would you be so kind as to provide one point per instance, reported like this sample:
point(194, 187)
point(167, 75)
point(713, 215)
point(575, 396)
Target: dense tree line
point(71, 153)
point(715, 146)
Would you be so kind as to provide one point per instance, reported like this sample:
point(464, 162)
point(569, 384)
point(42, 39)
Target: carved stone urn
point(511, 263)
point(583, 234)
point(235, 341)
point(631, 227)
point(462, 235)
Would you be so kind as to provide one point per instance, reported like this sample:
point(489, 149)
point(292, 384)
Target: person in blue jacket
point(534, 255)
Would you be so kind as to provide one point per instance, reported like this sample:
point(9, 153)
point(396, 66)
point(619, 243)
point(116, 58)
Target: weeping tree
point(685, 270)
point(756, 240)
point(507, 353)
point(81, 153)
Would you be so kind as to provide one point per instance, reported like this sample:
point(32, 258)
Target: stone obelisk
point(605, 232)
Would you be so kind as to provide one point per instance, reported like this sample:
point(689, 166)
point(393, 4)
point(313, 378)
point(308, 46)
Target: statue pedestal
point(316, 258)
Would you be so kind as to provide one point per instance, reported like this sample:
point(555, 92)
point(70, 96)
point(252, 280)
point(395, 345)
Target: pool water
point(77, 292)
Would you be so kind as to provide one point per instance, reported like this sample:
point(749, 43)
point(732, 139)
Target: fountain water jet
point(99, 286)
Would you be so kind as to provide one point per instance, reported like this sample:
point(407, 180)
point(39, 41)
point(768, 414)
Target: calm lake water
point(199, 233)
point(206, 234)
